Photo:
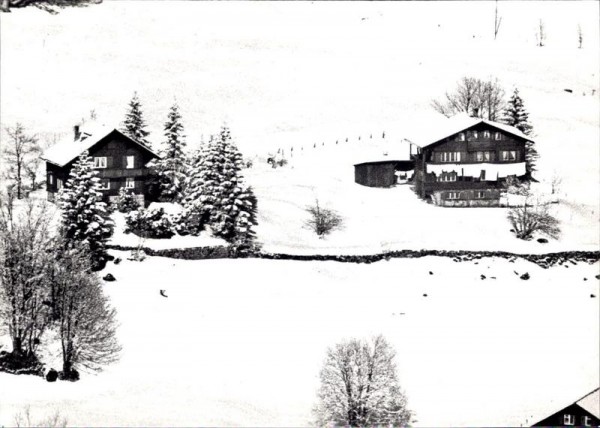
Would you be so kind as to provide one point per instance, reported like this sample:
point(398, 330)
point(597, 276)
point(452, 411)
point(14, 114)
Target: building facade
point(119, 160)
point(468, 165)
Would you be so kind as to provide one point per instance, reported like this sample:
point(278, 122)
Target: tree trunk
point(17, 346)
point(5, 6)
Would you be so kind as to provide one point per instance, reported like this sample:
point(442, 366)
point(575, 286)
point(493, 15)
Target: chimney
point(76, 133)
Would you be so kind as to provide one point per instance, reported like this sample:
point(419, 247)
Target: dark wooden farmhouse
point(584, 412)
point(120, 161)
point(467, 162)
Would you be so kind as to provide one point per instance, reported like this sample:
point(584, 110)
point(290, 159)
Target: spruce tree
point(516, 115)
point(171, 168)
point(83, 214)
point(134, 125)
point(217, 195)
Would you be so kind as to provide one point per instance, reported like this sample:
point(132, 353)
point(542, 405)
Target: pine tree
point(171, 168)
point(217, 195)
point(134, 125)
point(83, 214)
point(516, 115)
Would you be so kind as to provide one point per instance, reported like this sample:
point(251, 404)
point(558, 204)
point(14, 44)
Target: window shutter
point(109, 161)
point(124, 164)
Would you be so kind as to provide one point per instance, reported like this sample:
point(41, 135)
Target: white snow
point(241, 342)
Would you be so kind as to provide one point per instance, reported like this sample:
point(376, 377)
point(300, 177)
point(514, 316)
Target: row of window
point(475, 134)
point(104, 183)
point(586, 421)
point(102, 162)
point(482, 156)
point(478, 194)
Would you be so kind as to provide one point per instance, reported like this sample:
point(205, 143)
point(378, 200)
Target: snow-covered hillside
point(241, 342)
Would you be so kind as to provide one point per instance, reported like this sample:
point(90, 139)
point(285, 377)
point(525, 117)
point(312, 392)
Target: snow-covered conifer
point(83, 214)
point(216, 193)
point(516, 115)
point(134, 125)
point(171, 168)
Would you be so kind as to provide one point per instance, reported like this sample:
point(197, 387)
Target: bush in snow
point(83, 214)
point(150, 223)
point(531, 215)
point(322, 221)
point(171, 167)
point(126, 201)
point(216, 194)
point(359, 386)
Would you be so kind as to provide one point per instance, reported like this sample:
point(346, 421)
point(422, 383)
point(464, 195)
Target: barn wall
point(378, 174)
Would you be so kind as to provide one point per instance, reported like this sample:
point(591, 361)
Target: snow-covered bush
point(126, 201)
point(151, 223)
point(322, 220)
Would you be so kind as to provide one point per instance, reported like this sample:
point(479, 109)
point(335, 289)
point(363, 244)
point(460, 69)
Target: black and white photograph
point(299, 213)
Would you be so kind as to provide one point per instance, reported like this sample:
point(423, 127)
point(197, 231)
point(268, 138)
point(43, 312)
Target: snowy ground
point(241, 342)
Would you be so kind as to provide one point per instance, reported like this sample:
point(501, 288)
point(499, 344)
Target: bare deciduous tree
point(579, 35)
point(55, 420)
point(87, 326)
point(497, 22)
point(476, 97)
point(531, 215)
point(322, 220)
point(359, 386)
point(25, 260)
point(18, 153)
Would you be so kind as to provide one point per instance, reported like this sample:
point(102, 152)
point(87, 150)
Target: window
point(453, 195)
point(586, 421)
point(508, 155)
point(129, 162)
point(569, 420)
point(486, 134)
point(51, 179)
point(461, 136)
point(480, 194)
point(450, 156)
point(447, 176)
point(129, 183)
point(483, 156)
point(497, 136)
point(104, 184)
point(475, 134)
point(59, 184)
point(100, 162)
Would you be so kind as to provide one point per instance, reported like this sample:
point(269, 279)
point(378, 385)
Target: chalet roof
point(68, 149)
point(389, 149)
point(591, 402)
point(442, 129)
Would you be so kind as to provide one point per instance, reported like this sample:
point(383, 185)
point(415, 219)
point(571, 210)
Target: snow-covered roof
point(381, 150)
point(68, 149)
point(591, 402)
point(441, 129)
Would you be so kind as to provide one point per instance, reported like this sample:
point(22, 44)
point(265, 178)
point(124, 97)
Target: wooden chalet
point(466, 161)
point(583, 412)
point(120, 161)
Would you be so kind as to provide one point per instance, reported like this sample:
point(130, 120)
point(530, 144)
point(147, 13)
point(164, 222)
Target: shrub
point(153, 223)
point(52, 375)
point(126, 201)
point(322, 221)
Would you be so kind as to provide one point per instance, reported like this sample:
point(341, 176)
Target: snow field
point(243, 344)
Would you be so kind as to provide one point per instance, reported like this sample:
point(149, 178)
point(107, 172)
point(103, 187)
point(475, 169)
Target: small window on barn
point(475, 134)
point(568, 419)
point(100, 162)
point(59, 184)
point(129, 183)
point(586, 421)
point(51, 179)
point(497, 136)
point(486, 134)
point(129, 162)
point(104, 184)
point(461, 136)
